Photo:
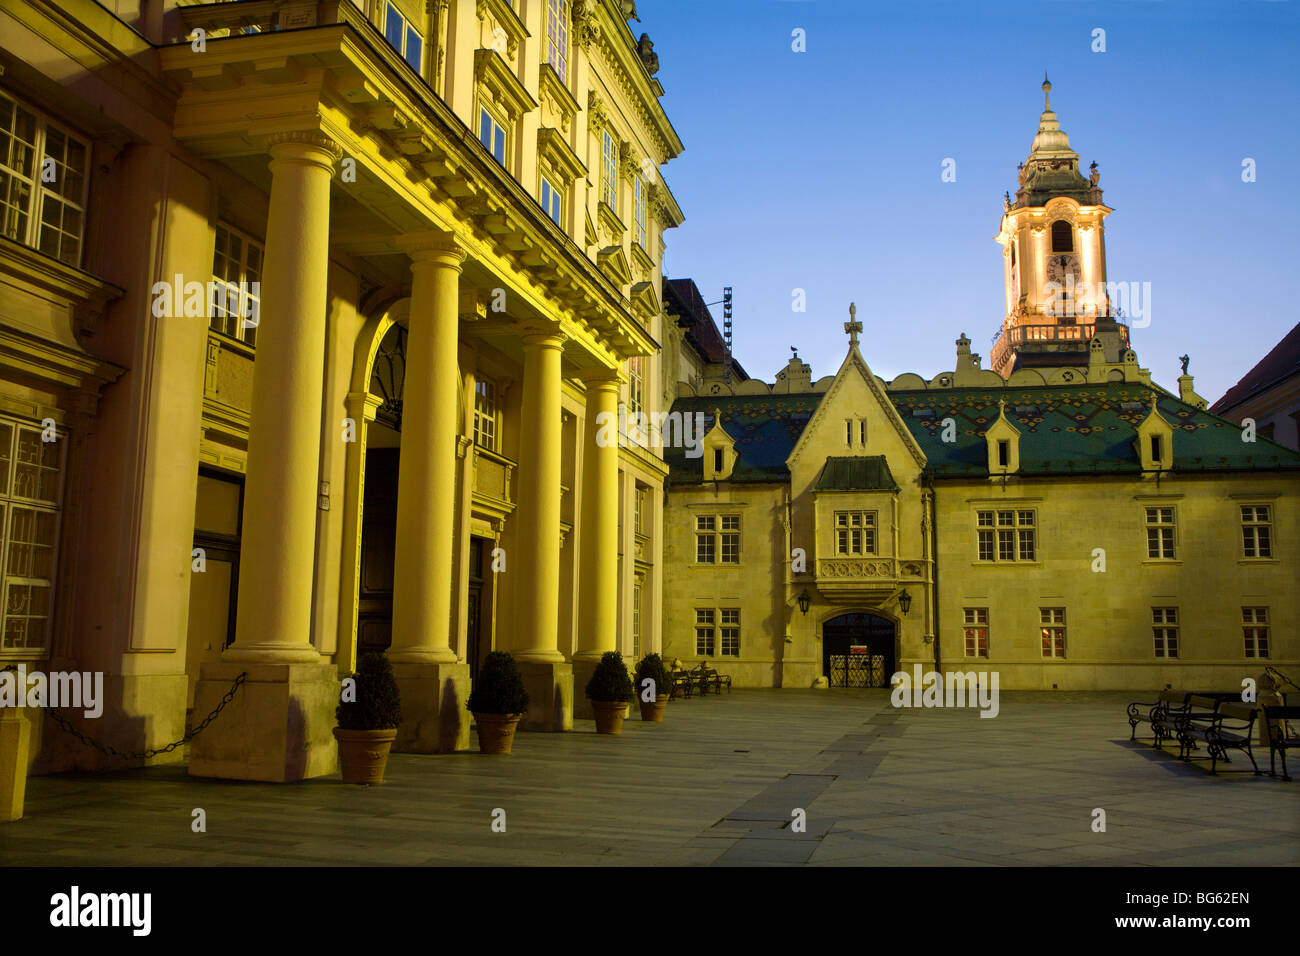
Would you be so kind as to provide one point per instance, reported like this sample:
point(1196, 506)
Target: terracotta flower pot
point(496, 732)
point(655, 711)
point(609, 715)
point(363, 754)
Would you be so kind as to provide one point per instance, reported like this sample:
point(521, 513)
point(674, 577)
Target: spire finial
point(1047, 89)
point(853, 326)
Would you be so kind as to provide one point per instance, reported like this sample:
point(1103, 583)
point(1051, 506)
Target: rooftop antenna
point(726, 325)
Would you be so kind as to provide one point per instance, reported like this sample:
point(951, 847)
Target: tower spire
point(1047, 89)
point(853, 326)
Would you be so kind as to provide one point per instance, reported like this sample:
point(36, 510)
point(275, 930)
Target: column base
point(550, 696)
point(434, 718)
point(278, 728)
point(15, 755)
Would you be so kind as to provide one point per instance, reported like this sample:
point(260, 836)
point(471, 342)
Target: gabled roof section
point(1087, 429)
point(1273, 369)
point(764, 427)
point(861, 473)
point(682, 298)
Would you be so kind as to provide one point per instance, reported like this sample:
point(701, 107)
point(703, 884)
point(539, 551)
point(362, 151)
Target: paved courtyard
point(715, 784)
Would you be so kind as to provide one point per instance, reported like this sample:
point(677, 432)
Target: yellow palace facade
point(308, 312)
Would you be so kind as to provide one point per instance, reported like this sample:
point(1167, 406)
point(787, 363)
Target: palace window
point(1052, 620)
point(1160, 533)
point(552, 200)
point(43, 182)
point(485, 414)
point(403, 37)
point(1254, 627)
point(635, 383)
point(236, 285)
point(855, 532)
point(641, 512)
point(704, 631)
point(1164, 627)
point(717, 539)
point(609, 170)
point(638, 210)
point(1007, 535)
point(1256, 531)
point(976, 631)
point(31, 472)
point(492, 134)
point(557, 37)
point(717, 630)
point(638, 582)
point(1062, 236)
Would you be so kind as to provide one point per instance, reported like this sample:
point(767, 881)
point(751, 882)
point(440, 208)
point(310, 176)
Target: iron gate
point(857, 670)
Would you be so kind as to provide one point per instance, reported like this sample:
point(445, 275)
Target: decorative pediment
point(613, 263)
point(495, 75)
point(645, 303)
point(500, 15)
point(641, 261)
point(554, 148)
point(556, 98)
point(613, 226)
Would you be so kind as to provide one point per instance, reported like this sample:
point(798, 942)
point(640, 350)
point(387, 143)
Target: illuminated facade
point(322, 302)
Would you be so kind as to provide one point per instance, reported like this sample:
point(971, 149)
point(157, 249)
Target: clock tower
point(1053, 257)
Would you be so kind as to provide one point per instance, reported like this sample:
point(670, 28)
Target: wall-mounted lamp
point(805, 601)
point(905, 601)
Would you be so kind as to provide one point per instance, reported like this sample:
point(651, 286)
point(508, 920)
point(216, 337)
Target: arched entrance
point(858, 650)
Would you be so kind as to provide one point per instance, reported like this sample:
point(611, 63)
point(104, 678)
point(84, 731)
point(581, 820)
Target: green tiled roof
point(1082, 429)
point(865, 473)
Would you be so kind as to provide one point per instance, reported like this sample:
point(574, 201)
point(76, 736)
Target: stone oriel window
point(43, 182)
point(855, 532)
point(31, 477)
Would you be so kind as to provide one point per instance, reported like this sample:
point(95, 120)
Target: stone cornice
point(494, 73)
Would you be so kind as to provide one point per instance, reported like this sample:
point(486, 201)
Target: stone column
point(598, 559)
point(279, 725)
point(548, 677)
point(433, 682)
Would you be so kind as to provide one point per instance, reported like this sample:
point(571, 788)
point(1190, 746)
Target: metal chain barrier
point(111, 751)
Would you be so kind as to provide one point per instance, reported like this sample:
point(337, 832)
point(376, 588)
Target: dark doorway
point(858, 650)
point(477, 596)
point(378, 537)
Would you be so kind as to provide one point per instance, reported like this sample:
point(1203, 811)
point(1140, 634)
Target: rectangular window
point(236, 285)
point(976, 631)
point(637, 583)
point(551, 201)
point(43, 183)
point(635, 383)
point(704, 619)
point(1052, 620)
point(862, 432)
point(403, 37)
point(557, 37)
point(855, 532)
point(1164, 627)
point(1160, 532)
point(1004, 453)
point(638, 211)
point(1254, 627)
point(609, 170)
point(717, 539)
point(485, 414)
point(492, 134)
point(730, 632)
point(642, 515)
point(1008, 535)
point(1256, 531)
point(31, 472)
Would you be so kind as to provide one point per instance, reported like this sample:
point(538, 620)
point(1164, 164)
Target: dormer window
point(1062, 236)
point(1157, 448)
point(1004, 453)
point(717, 459)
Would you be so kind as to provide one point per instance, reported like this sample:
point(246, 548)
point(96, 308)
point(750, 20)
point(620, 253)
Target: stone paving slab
point(715, 784)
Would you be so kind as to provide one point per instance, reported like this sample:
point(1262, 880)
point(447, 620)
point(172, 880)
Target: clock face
point(1060, 265)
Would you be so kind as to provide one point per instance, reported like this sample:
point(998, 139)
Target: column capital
point(436, 246)
point(363, 404)
point(542, 334)
point(307, 145)
point(602, 377)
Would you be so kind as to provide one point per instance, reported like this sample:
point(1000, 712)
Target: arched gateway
point(858, 650)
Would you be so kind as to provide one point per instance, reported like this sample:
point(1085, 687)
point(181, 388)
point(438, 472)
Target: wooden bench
point(1157, 714)
point(711, 678)
point(685, 683)
point(1278, 740)
point(1222, 725)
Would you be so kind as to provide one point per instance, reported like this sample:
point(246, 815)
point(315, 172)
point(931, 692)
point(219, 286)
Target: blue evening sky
point(821, 170)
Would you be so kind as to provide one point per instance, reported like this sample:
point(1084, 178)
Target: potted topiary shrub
point(609, 690)
point(497, 702)
point(368, 721)
point(651, 667)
